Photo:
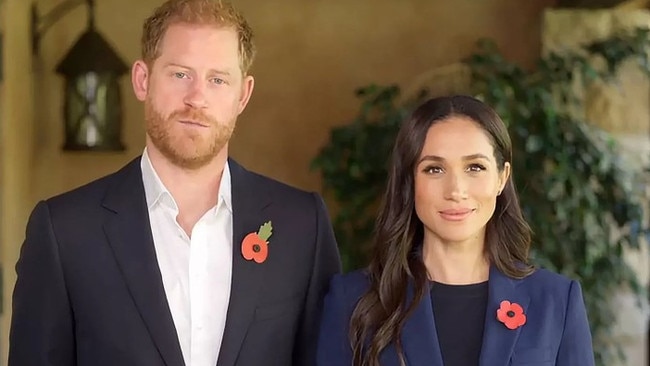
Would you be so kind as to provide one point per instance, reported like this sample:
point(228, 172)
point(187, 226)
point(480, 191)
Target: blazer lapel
point(419, 337)
point(129, 235)
point(499, 341)
point(248, 203)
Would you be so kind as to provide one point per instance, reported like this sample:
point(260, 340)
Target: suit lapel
point(129, 235)
point(499, 341)
point(419, 337)
point(248, 201)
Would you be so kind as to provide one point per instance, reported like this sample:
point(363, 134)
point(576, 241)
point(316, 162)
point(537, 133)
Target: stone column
point(622, 109)
point(16, 147)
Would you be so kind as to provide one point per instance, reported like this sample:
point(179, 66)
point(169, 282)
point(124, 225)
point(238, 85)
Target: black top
point(459, 313)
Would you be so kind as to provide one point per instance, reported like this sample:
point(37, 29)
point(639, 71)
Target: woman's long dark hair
point(379, 315)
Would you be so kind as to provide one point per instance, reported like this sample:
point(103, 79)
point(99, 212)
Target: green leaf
point(266, 230)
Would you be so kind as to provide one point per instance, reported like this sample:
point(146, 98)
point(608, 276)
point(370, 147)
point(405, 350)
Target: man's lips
point(193, 123)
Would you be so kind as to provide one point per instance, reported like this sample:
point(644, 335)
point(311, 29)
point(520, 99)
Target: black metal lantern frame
point(92, 109)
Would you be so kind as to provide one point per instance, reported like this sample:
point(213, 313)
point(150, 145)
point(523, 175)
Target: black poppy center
point(256, 248)
point(510, 313)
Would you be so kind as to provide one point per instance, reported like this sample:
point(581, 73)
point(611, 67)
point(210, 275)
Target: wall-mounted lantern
point(92, 109)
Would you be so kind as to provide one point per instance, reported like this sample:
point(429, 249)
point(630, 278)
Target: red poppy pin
point(511, 314)
point(255, 246)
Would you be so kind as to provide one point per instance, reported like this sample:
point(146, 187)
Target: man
point(182, 257)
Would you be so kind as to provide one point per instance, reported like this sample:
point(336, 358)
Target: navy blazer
point(90, 293)
point(556, 331)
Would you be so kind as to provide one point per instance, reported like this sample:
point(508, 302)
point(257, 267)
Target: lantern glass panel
point(92, 112)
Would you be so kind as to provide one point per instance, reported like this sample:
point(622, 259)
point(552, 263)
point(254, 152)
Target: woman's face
point(457, 181)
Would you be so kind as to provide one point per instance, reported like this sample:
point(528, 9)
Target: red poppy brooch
point(255, 246)
point(511, 315)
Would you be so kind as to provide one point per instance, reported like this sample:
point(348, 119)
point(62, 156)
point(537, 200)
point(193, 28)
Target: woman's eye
point(433, 170)
point(476, 168)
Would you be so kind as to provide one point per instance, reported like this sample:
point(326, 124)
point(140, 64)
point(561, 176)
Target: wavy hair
point(199, 12)
point(380, 314)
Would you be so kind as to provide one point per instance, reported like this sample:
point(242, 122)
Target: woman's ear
point(504, 176)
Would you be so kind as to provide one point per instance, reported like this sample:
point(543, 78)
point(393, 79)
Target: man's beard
point(186, 150)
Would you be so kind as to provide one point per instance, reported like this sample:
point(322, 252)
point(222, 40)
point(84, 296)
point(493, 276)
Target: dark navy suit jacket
point(90, 293)
point(556, 330)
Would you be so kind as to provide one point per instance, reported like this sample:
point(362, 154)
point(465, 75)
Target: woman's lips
point(456, 214)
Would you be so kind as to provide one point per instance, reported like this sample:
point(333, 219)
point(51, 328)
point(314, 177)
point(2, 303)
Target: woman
point(449, 282)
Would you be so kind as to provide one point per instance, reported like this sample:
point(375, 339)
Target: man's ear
point(246, 91)
point(140, 79)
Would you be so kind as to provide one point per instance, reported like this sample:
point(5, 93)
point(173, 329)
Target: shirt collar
point(225, 188)
point(155, 191)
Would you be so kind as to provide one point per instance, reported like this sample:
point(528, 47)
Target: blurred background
point(333, 80)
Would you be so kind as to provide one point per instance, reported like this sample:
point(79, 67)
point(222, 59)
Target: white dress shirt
point(196, 272)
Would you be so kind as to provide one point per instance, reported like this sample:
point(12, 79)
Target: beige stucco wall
point(312, 55)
